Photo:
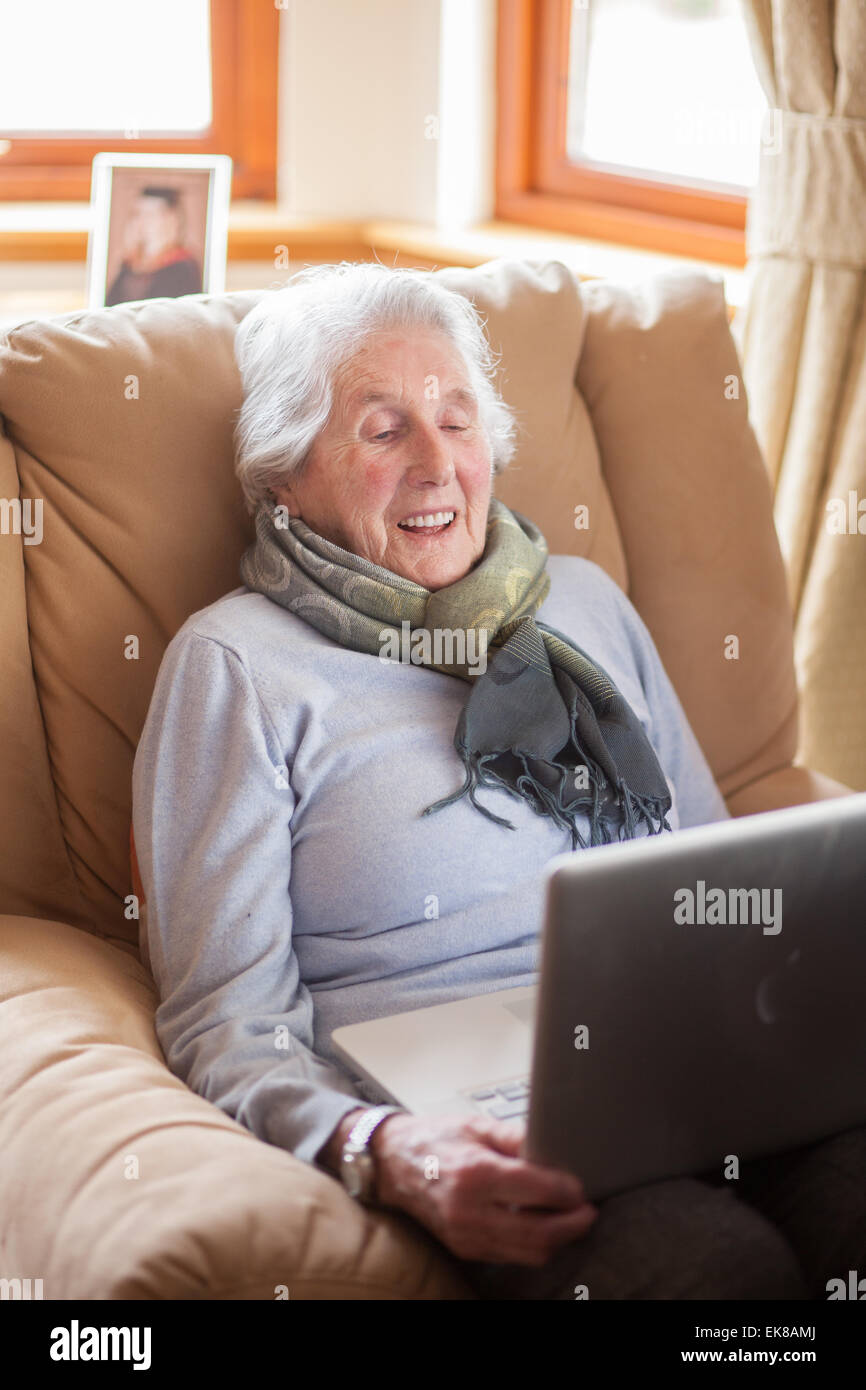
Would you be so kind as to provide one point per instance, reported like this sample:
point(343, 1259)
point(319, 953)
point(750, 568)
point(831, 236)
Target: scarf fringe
point(636, 810)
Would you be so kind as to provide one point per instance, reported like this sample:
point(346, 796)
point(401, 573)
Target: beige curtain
point(802, 339)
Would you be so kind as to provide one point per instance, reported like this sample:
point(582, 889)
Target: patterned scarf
point(542, 719)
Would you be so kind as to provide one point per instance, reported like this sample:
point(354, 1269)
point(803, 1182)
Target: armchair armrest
point(118, 1182)
point(786, 786)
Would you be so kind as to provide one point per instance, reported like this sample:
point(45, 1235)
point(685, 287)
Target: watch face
point(356, 1169)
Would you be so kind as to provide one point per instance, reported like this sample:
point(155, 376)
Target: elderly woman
point(301, 797)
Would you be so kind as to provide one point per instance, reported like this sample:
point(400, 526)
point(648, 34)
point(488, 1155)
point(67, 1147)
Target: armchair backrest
point(119, 422)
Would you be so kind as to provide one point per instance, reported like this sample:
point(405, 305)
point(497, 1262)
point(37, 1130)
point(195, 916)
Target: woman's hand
point(463, 1178)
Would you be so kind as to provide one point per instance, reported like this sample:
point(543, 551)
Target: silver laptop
point(701, 997)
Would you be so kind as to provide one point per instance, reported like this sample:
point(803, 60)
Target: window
point(637, 121)
point(172, 76)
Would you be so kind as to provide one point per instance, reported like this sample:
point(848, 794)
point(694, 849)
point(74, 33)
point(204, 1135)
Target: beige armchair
point(636, 451)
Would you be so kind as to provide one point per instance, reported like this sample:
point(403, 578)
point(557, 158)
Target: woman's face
point(404, 443)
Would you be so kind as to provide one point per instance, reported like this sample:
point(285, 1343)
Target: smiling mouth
point(427, 524)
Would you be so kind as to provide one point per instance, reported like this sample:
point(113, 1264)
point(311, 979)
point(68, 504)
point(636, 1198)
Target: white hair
point(290, 346)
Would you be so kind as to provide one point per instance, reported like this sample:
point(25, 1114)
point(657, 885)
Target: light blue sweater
point(291, 884)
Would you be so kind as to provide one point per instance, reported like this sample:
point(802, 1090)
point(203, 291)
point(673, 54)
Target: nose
point(432, 464)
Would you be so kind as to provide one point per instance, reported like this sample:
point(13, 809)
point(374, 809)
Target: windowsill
point(588, 258)
point(39, 232)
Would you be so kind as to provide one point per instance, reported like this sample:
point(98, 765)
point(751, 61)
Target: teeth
point(429, 519)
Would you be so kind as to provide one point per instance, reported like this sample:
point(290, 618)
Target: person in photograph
point(309, 857)
point(155, 262)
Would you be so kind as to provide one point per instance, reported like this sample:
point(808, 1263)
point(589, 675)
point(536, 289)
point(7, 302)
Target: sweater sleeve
point(212, 806)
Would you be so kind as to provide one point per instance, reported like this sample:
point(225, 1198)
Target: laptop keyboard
point(502, 1100)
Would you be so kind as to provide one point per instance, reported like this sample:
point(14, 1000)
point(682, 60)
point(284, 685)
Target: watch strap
point(361, 1132)
point(357, 1144)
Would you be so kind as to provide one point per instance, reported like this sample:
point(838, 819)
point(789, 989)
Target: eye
point(386, 434)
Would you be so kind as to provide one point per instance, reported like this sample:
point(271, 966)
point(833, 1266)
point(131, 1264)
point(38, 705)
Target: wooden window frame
point(536, 183)
point(244, 56)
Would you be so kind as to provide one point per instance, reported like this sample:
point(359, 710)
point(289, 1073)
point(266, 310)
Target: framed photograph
point(159, 226)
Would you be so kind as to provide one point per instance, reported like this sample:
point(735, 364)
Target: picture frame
point(159, 226)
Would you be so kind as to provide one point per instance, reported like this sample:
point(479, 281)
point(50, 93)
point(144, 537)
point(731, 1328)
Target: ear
point(284, 496)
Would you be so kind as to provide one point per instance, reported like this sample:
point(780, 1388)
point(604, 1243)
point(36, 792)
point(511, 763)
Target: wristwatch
point(357, 1164)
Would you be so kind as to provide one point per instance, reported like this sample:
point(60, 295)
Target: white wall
point(363, 84)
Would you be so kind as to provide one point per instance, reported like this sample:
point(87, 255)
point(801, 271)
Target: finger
point(526, 1239)
point(555, 1187)
point(503, 1136)
point(517, 1182)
